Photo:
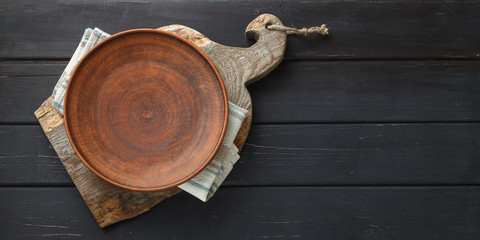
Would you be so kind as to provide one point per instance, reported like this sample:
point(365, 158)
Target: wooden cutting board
point(238, 68)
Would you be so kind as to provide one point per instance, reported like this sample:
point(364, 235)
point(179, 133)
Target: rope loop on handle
point(305, 31)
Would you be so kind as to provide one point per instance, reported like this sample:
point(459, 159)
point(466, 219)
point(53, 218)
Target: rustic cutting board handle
point(272, 44)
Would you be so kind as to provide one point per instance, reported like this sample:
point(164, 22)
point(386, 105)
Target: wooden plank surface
point(320, 154)
point(394, 82)
point(360, 29)
point(256, 213)
point(307, 91)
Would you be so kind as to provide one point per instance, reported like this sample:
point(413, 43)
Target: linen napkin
point(204, 184)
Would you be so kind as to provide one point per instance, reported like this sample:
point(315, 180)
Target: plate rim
point(225, 102)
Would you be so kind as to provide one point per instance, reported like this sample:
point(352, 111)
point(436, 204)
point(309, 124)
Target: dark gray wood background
point(371, 133)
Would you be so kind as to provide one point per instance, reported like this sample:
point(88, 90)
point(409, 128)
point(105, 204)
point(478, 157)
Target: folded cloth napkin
point(204, 184)
point(90, 38)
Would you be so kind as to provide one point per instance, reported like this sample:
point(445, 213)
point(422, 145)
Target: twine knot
point(305, 31)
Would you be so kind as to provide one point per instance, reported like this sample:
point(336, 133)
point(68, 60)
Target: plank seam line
point(321, 59)
point(34, 123)
point(270, 186)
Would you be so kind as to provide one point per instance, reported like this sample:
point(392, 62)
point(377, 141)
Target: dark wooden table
point(371, 133)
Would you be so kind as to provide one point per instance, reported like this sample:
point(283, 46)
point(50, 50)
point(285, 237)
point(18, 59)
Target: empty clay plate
point(146, 110)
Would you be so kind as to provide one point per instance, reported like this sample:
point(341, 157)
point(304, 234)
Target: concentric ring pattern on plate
point(146, 110)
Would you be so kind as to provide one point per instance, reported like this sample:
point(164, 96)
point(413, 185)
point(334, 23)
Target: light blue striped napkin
point(90, 38)
point(206, 183)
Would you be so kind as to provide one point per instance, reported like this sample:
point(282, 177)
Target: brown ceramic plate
point(146, 110)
